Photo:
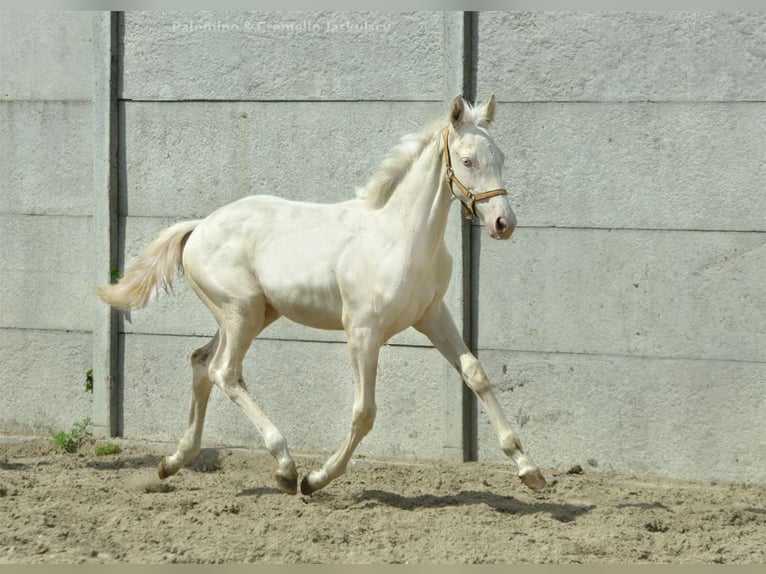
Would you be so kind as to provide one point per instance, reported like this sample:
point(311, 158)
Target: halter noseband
point(469, 199)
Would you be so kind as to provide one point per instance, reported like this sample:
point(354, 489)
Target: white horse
point(371, 266)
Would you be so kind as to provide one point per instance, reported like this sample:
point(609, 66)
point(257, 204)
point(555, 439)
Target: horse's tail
point(154, 269)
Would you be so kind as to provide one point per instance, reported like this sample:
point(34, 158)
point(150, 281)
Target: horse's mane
point(395, 166)
point(400, 159)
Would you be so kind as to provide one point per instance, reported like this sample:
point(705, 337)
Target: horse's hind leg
point(237, 331)
point(189, 445)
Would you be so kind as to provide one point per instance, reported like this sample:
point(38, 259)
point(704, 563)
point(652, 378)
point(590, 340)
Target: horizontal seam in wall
point(631, 102)
point(424, 346)
point(41, 330)
point(622, 356)
point(26, 214)
point(431, 101)
point(47, 100)
point(481, 349)
point(273, 339)
point(372, 100)
point(275, 101)
point(208, 337)
point(658, 229)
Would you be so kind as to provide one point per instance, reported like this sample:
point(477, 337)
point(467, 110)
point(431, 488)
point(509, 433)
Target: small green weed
point(89, 381)
point(72, 440)
point(107, 449)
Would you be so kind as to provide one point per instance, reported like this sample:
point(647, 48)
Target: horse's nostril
point(503, 227)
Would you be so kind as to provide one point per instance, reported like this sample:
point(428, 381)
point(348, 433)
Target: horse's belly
point(303, 289)
point(314, 308)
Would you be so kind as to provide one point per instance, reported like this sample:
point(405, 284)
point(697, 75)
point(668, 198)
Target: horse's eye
point(467, 162)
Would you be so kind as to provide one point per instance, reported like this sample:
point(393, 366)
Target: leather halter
point(468, 199)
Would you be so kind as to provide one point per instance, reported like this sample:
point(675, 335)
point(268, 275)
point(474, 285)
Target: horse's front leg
point(439, 327)
point(364, 347)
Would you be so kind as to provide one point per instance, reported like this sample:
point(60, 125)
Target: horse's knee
point(474, 375)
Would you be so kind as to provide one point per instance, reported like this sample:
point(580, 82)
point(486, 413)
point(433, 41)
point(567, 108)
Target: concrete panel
point(42, 380)
point(622, 56)
point(310, 400)
point(46, 267)
point(46, 55)
point(47, 158)
point(700, 420)
point(670, 166)
point(623, 292)
point(188, 159)
point(283, 56)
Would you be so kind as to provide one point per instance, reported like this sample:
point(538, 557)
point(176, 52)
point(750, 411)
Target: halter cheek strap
point(468, 198)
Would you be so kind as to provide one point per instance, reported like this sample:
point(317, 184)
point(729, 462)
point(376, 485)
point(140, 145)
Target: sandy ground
point(224, 508)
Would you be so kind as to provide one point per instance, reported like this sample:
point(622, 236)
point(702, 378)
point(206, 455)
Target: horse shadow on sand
point(498, 503)
point(368, 499)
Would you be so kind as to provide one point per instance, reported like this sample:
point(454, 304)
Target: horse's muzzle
point(502, 227)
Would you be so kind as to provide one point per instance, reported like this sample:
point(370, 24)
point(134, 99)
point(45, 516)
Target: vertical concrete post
point(105, 221)
point(459, 404)
point(470, 314)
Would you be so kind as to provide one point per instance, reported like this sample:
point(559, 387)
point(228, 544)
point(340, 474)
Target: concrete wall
point(623, 325)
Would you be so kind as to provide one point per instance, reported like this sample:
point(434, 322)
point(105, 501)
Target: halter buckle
point(469, 211)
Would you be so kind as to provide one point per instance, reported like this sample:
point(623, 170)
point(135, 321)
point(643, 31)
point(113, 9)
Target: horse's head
point(475, 165)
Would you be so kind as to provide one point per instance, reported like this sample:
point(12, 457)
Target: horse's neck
point(421, 202)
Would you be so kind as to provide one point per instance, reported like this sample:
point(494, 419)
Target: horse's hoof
point(306, 487)
point(534, 480)
point(162, 471)
point(286, 484)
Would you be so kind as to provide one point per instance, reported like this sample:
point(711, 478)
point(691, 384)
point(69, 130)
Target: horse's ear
point(456, 111)
point(486, 113)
